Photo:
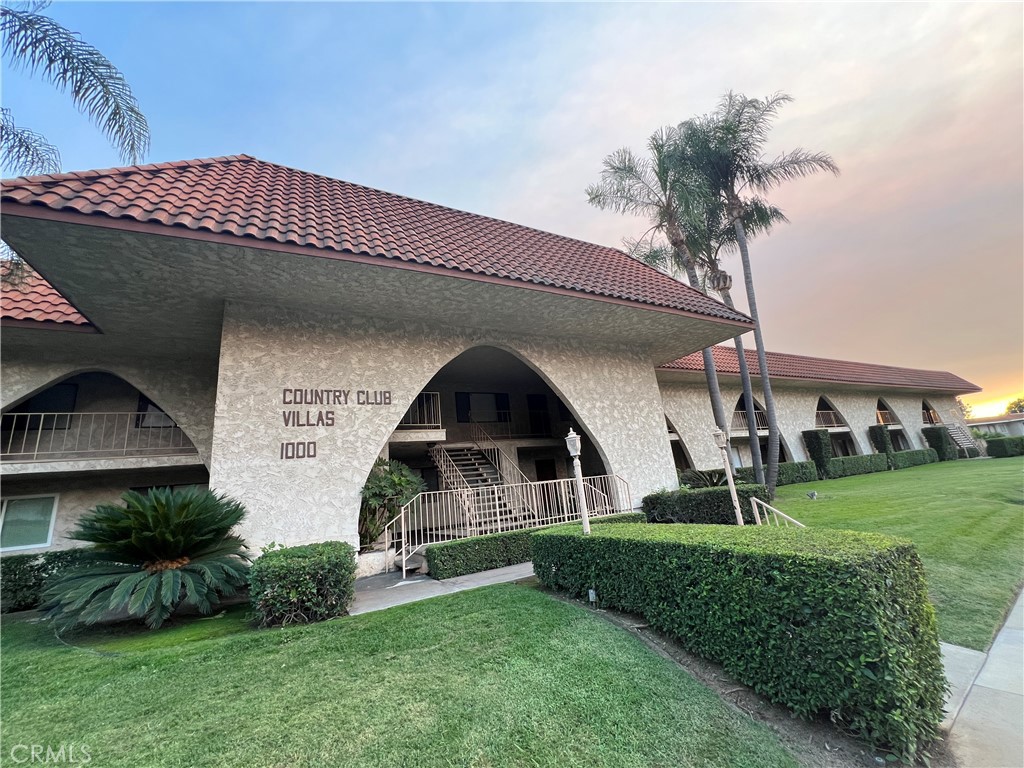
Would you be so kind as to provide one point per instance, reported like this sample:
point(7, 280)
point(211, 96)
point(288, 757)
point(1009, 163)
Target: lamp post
point(572, 442)
point(722, 441)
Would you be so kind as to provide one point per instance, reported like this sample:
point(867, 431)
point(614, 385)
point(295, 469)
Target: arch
point(827, 416)
point(680, 453)
point(183, 417)
point(739, 415)
point(884, 414)
point(928, 414)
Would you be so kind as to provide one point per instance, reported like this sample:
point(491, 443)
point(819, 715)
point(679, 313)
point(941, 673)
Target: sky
point(913, 256)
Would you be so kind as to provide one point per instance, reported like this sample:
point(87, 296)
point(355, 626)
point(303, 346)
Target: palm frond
point(791, 165)
point(24, 151)
point(37, 44)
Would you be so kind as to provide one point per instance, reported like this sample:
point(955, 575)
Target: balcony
point(930, 417)
point(885, 417)
point(43, 437)
point(424, 413)
point(508, 425)
point(739, 421)
point(828, 420)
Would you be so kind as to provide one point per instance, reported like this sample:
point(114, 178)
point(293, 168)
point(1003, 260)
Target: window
point(150, 415)
point(60, 398)
point(481, 407)
point(27, 521)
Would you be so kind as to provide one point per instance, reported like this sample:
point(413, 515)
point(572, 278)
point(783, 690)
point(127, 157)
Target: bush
point(162, 550)
point(701, 505)
point(300, 585)
point(845, 466)
point(390, 485)
point(938, 437)
point(819, 448)
point(904, 459)
point(24, 577)
point(880, 438)
point(790, 472)
point(1002, 447)
point(496, 550)
point(824, 622)
point(970, 452)
point(702, 478)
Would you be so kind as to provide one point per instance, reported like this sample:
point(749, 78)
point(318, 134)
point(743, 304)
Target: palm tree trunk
point(748, 400)
point(762, 360)
point(710, 372)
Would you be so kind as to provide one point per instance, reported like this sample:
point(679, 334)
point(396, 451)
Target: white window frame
point(53, 519)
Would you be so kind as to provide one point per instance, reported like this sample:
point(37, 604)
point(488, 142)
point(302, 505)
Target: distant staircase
point(963, 438)
point(474, 467)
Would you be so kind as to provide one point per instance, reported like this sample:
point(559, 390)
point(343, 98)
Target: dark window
point(481, 407)
point(150, 415)
point(60, 398)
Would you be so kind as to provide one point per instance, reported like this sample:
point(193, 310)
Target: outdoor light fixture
point(573, 443)
point(722, 441)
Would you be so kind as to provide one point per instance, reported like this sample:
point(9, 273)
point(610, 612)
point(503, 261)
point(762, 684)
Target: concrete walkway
point(985, 712)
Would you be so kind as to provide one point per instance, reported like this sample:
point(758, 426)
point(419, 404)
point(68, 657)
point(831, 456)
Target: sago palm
point(39, 45)
point(734, 165)
point(661, 191)
point(159, 551)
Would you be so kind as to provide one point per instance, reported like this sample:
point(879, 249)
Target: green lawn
point(966, 518)
point(500, 676)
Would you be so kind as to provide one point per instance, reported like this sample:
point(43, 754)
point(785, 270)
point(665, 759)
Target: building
point(1007, 425)
point(271, 332)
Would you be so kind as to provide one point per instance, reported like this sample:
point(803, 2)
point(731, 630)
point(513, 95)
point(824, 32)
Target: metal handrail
point(82, 435)
point(885, 417)
point(424, 413)
point(828, 419)
point(739, 420)
point(772, 516)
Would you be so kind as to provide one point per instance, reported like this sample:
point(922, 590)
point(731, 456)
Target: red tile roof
point(786, 366)
point(260, 202)
point(30, 299)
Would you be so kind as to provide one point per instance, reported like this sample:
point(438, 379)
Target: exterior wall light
point(574, 443)
point(722, 441)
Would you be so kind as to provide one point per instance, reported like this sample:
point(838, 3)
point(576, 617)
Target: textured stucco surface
point(612, 391)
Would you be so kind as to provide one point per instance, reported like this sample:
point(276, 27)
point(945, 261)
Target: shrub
point(24, 577)
point(300, 585)
point(844, 466)
point(389, 486)
point(904, 459)
point(1002, 447)
point(938, 437)
point(970, 452)
point(880, 438)
point(702, 478)
point(790, 472)
point(701, 505)
point(161, 550)
point(819, 448)
point(825, 622)
point(496, 550)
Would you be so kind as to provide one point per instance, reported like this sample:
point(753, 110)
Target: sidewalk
point(986, 705)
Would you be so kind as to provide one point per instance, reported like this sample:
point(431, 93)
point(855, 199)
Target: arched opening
point(486, 397)
point(89, 415)
point(680, 455)
point(885, 416)
point(928, 414)
point(827, 416)
point(740, 432)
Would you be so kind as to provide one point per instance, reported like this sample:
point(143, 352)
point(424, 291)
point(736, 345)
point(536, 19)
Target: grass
point(499, 676)
point(966, 518)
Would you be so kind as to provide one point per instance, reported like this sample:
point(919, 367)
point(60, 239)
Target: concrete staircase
point(495, 507)
point(963, 438)
point(474, 467)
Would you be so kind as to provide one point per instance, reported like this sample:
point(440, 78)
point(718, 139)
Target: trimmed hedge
point(24, 577)
point(494, 550)
point(824, 622)
point(790, 472)
point(938, 437)
point(300, 585)
point(819, 448)
point(904, 459)
point(701, 505)
point(880, 438)
point(845, 466)
point(1003, 447)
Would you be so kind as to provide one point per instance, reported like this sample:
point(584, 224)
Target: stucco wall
point(613, 393)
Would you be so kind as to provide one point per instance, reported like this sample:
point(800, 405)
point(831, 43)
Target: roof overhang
point(159, 289)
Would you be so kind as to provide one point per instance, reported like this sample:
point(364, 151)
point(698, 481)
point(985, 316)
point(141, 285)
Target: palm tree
point(37, 44)
point(733, 164)
point(662, 191)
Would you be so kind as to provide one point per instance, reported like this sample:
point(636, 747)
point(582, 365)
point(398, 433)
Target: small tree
point(1016, 406)
point(391, 485)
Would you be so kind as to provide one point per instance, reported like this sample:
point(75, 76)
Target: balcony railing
point(826, 419)
point(930, 417)
point(739, 421)
point(885, 417)
point(76, 436)
point(424, 413)
point(504, 425)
